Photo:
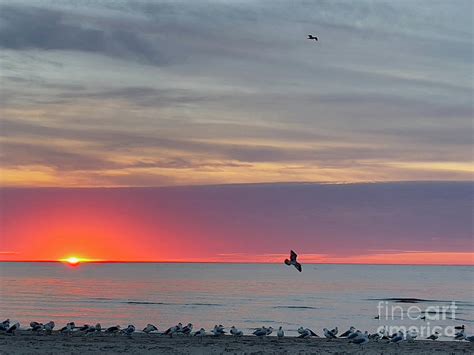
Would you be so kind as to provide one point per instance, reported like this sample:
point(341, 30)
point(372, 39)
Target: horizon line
point(361, 182)
point(214, 262)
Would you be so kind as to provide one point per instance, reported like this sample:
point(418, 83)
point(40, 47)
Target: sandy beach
point(27, 343)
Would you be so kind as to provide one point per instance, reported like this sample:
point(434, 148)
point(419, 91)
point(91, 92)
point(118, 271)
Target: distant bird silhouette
point(293, 261)
point(312, 37)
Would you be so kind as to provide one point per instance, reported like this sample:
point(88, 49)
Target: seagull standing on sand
point(328, 334)
point(459, 335)
point(293, 261)
point(361, 340)
point(411, 336)
point(200, 333)
point(84, 328)
point(306, 333)
point(280, 333)
point(5, 324)
point(347, 332)
point(218, 330)
point(13, 328)
point(93, 329)
point(173, 330)
point(150, 328)
point(397, 339)
point(48, 327)
point(433, 336)
point(354, 335)
point(236, 332)
point(68, 329)
point(187, 329)
point(261, 332)
point(113, 330)
point(36, 327)
point(129, 330)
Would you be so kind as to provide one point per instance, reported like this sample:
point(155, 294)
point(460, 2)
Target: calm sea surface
point(244, 295)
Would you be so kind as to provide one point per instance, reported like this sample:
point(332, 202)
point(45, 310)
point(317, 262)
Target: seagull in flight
point(312, 37)
point(293, 261)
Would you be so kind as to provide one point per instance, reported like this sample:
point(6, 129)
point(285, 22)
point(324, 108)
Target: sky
point(403, 222)
point(133, 94)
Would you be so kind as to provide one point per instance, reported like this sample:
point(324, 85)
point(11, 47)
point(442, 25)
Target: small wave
point(202, 304)
point(100, 299)
point(296, 307)
point(465, 320)
point(404, 300)
point(173, 304)
point(145, 302)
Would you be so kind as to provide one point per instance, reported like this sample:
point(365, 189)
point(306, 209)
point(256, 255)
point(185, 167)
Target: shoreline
point(25, 342)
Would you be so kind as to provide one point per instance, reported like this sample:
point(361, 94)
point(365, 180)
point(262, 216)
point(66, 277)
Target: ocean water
point(244, 295)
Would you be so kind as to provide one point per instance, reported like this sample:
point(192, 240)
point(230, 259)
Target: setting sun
point(72, 260)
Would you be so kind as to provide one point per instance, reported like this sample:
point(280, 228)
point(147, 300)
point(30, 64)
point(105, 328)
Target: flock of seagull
point(352, 334)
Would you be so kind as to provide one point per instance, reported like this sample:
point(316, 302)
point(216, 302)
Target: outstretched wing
point(298, 267)
point(293, 256)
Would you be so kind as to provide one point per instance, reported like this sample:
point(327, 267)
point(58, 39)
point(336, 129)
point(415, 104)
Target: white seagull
point(328, 334)
point(36, 327)
point(68, 329)
point(411, 336)
point(347, 332)
point(218, 330)
point(200, 333)
point(13, 328)
point(361, 340)
point(261, 332)
point(306, 333)
point(129, 330)
point(176, 329)
point(48, 327)
point(186, 330)
point(397, 339)
point(113, 330)
point(236, 332)
point(280, 333)
point(354, 335)
point(433, 336)
point(150, 328)
point(5, 324)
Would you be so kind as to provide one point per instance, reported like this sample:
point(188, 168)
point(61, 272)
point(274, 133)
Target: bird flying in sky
point(312, 37)
point(293, 261)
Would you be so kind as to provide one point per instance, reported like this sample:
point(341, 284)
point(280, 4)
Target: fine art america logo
point(429, 315)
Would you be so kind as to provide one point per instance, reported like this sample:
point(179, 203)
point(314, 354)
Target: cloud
point(141, 85)
point(26, 27)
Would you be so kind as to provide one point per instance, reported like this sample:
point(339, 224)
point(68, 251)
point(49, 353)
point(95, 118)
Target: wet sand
point(24, 342)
